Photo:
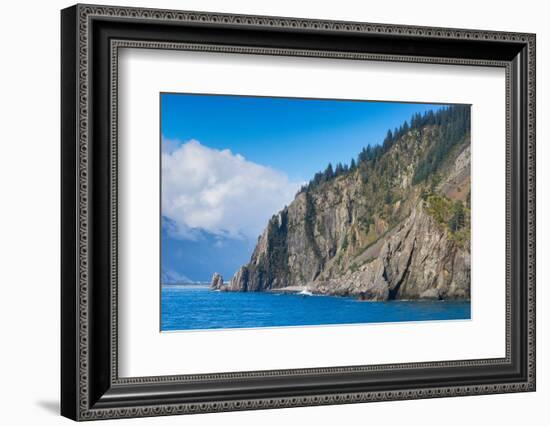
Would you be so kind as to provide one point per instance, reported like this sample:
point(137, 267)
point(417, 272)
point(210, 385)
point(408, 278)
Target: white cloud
point(205, 189)
point(169, 145)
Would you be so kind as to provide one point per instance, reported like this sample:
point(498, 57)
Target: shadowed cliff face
point(396, 226)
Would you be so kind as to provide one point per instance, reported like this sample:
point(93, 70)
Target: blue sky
point(297, 136)
point(230, 162)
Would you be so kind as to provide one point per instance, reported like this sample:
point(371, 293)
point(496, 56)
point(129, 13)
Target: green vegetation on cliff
point(452, 125)
point(394, 223)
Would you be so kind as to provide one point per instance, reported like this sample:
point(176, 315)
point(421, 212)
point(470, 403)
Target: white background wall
point(29, 211)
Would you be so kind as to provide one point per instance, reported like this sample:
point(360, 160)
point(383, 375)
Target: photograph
point(265, 208)
point(284, 212)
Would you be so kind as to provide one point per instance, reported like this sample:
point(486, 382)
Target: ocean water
point(198, 308)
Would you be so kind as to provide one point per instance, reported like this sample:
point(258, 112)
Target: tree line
point(453, 123)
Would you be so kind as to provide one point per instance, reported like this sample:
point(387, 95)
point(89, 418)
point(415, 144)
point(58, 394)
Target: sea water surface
point(199, 308)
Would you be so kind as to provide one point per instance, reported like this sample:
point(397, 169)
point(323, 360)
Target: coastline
point(219, 285)
point(296, 289)
point(306, 291)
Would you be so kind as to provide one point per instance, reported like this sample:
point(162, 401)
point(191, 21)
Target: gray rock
point(330, 241)
point(431, 293)
point(217, 282)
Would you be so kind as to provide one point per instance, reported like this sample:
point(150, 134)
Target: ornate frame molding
point(82, 16)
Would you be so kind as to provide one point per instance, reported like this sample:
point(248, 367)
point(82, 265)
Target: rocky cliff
point(394, 225)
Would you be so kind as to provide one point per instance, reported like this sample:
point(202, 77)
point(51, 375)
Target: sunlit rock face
point(395, 226)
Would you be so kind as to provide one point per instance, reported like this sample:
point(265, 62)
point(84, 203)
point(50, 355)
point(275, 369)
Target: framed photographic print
point(263, 212)
point(391, 224)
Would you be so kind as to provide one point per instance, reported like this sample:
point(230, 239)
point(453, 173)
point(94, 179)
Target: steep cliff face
point(416, 260)
point(384, 229)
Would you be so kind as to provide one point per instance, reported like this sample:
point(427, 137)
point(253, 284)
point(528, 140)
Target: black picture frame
point(90, 386)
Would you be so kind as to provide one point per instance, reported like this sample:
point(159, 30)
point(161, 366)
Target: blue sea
point(199, 308)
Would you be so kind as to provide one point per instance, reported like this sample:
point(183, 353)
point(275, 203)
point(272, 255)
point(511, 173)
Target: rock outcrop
point(217, 282)
point(417, 261)
point(396, 226)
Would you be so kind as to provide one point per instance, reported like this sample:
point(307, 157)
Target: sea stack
point(217, 282)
